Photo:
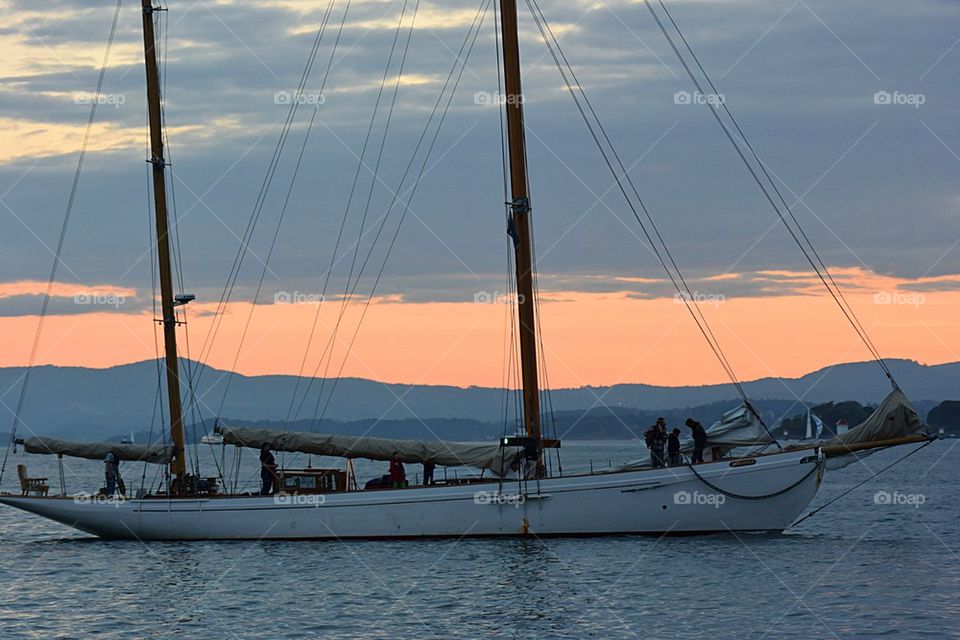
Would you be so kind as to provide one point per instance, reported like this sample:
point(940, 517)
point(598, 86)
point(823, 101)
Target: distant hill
point(946, 416)
point(95, 403)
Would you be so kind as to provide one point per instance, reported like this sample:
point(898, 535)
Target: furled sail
point(497, 459)
point(158, 453)
point(894, 421)
point(894, 418)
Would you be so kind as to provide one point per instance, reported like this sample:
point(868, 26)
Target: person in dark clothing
point(656, 439)
point(673, 448)
point(699, 440)
point(268, 471)
point(111, 468)
point(398, 476)
point(428, 468)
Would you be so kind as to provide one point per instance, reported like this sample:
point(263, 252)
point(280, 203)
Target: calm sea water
point(859, 569)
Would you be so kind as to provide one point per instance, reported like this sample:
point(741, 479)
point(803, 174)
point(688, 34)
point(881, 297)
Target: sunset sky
point(875, 184)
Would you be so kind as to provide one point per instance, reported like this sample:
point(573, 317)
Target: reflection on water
point(859, 569)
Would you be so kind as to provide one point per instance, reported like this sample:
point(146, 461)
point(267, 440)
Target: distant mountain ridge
point(91, 403)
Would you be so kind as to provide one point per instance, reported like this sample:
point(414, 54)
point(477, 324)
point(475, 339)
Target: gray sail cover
point(736, 428)
point(894, 418)
point(499, 460)
point(159, 454)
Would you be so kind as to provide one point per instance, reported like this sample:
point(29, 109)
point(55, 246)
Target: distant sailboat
point(814, 425)
point(515, 493)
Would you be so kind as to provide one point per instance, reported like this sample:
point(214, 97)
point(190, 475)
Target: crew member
point(398, 476)
point(673, 447)
point(656, 439)
point(699, 440)
point(111, 469)
point(428, 468)
point(268, 471)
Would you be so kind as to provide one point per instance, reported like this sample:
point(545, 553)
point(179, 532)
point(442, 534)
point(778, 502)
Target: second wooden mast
point(519, 226)
point(178, 467)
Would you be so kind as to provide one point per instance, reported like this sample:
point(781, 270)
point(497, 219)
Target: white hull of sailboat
point(656, 501)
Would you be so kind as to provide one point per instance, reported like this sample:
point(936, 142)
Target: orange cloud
point(590, 338)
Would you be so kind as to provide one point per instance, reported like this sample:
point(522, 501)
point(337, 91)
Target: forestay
point(158, 453)
point(497, 459)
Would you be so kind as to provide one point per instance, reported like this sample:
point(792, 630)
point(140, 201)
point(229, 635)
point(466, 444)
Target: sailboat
point(744, 484)
point(814, 425)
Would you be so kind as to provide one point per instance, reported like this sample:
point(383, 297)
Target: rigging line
point(189, 366)
point(234, 273)
point(336, 247)
point(694, 312)
point(366, 143)
point(396, 195)
point(353, 189)
point(687, 299)
point(376, 170)
point(508, 309)
point(629, 180)
point(62, 237)
point(347, 294)
point(273, 244)
point(763, 168)
point(512, 372)
point(858, 327)
point(860, 484)
point(484, 6)
point(157, 403)
point(767, 195)
point(258, 205)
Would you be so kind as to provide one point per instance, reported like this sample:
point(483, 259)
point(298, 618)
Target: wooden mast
point(178, 466)
point(519, 225)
